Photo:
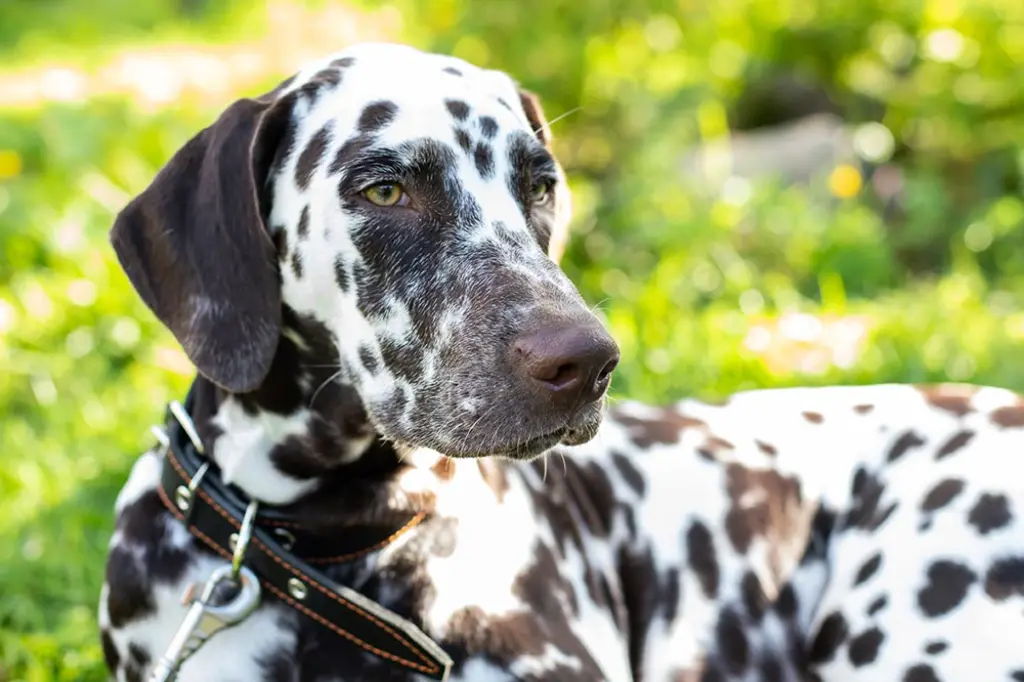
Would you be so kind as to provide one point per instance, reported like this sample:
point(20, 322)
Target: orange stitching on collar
point(328, 593)
point(413, 522)
point(312, 614)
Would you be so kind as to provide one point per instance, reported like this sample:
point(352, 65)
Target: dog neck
point(303, 439)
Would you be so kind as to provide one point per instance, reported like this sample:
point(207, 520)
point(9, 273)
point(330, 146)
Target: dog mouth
point(577, 433)
point(535, 446)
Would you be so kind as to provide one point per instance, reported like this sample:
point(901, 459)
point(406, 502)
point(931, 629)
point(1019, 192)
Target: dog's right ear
point(195, 247)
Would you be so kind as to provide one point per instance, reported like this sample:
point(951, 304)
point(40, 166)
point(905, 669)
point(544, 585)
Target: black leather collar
point(282, 554)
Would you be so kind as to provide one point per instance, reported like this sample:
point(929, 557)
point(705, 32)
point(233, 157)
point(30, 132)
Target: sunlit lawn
point(763, 285)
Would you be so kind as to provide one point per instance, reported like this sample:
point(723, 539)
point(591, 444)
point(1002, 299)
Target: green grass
point(694, 287)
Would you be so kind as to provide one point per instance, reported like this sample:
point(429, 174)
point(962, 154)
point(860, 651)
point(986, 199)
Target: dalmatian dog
point(361, 264)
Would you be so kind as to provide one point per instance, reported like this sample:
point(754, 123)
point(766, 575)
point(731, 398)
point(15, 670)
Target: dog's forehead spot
point(377, 115)
point(483, 157)
point(463, 139)
point(488, 126)
point(457, 108)
point(311, 156)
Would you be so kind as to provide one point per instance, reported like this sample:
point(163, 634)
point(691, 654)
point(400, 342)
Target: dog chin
point(582, 430)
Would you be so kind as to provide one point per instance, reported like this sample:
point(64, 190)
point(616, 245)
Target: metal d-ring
point(240, 540)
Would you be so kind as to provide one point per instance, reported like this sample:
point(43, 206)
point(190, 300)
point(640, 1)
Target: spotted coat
point(837, 534)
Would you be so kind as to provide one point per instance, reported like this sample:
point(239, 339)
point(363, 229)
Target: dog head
point(410, 204)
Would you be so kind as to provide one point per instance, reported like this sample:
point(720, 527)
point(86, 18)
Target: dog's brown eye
point(386, 194)
point(540, 191)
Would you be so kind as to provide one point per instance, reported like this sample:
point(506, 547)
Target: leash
point(270, 552)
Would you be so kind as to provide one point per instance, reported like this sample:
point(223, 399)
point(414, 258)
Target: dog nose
point(572, 363)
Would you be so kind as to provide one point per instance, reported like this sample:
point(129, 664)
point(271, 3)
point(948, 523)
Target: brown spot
point(444, 468)
point(766, 448)
point(138, 659)
point(990, 512)
point(813, 417)
point(377, 115)
point(903, 445)
point(633, 478)
point(1011, 417)
point(457, 108)
point(642, 598)
point(494, 477)
point(664, 429)
point(833, 632)
point(706, 455)
point(922, 672)
point(863, 409)
point(754, 599)
point(953, 399)
point(956, 442)
point(464, 140)
point(517, 635)
point(764, 503)
point(864, 647)
point(592, 495)
point(303, 227)
point(733, 646)
point(786, 605)
point(866, 511)
point(716, 444)
point(1005, 577)
point(945, 588)
point(488, 126)
point(312, 156)
point(328, 76)
point(942, 494)
point(700, 550)
point(868, 569)
point(877, 605)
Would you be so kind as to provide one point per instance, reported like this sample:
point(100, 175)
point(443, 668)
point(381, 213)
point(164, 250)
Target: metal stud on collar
point(297, 588)
point(286, 537)
point(183, 496)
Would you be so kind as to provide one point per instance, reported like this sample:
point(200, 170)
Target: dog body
point(360, 265)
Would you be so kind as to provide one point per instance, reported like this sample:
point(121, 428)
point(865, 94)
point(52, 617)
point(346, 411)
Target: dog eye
point(541, 191)
point(386, 194)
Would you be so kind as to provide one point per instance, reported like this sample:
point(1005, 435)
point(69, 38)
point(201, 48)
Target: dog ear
point(563, 199)
point(195, 247)
point(535, 115)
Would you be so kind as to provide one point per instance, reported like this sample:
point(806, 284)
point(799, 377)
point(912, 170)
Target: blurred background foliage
point(768, 192)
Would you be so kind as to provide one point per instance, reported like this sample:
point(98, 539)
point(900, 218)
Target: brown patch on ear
point(195, 247)
point(535, 115)
point(563, 208)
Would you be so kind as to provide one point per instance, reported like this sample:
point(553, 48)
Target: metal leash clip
point(204, 619)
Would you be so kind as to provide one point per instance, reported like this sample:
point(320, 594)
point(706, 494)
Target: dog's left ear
point(563, 200)
point(535, 115)
point(195, 247)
